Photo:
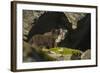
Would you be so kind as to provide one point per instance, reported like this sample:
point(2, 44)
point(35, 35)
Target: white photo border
point(20, 6)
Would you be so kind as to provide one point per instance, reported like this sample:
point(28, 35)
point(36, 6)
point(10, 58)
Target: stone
point(86, 54)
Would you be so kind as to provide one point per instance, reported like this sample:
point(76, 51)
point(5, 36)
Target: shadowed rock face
point(79, 38)
point(29, 18)
point(74, 18)
point(46, 21)
point(49, 21)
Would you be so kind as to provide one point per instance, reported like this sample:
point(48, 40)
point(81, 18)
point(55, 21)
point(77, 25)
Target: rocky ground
point(31, 54)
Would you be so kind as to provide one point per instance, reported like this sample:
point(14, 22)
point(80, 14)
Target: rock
point(74, 18)
point(76, 57)
point(26, 52)
point(67, 57)
point(29, 18)
point(86, 54)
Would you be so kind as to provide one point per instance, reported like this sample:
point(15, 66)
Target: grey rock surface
point(86, 54)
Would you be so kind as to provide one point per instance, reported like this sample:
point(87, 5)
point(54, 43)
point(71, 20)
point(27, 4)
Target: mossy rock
point(65, 51)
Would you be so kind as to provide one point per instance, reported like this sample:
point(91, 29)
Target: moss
point(65, 51)
point(46, 56)
point(45, 53)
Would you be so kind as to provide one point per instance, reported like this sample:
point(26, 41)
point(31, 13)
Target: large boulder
point(86, 54)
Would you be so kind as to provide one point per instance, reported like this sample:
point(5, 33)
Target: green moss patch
point(65, 51)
